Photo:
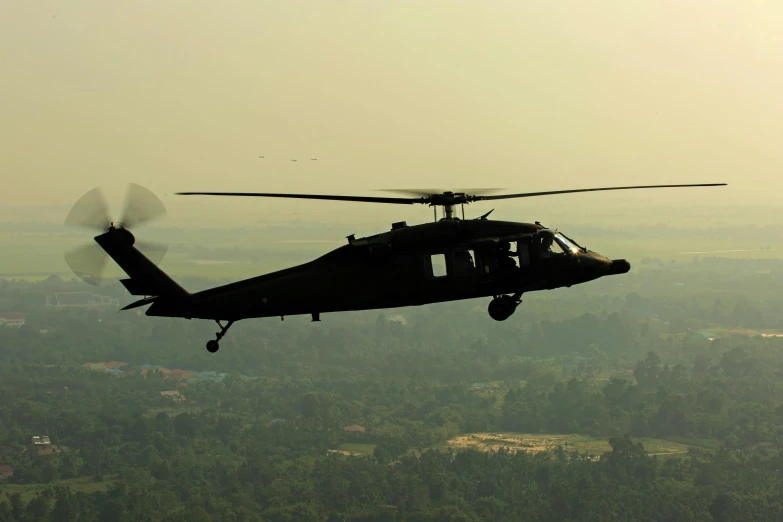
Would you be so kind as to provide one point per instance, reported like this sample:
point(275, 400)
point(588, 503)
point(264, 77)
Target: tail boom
point(145, 277)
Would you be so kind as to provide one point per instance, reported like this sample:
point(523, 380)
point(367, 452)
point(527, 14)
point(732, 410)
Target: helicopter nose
point(619, 266)
point(594, 263)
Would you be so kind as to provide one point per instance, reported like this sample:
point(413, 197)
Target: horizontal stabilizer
point(140, 302)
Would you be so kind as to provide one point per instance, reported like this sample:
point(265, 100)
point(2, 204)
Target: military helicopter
point(449, 259)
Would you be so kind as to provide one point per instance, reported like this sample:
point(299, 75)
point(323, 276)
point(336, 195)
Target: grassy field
point(364, 450)
point(536, 443)
point(77, 485)
point(722, 332)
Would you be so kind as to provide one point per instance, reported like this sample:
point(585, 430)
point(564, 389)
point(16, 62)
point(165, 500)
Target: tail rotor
point(91, 212)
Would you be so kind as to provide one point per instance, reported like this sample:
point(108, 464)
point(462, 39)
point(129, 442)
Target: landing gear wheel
point(213, 346)
point(501, 308)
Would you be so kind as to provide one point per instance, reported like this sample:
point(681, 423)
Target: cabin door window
point(523, 251)
point(435, 265)
point(462, 263)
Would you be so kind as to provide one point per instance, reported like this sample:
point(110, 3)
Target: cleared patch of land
point(360, 450)
point(77, 485)
point(713, 333)
point(537, 443)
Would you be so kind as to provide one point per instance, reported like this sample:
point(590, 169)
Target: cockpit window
point(572, 241)
point(550, 247)
point(566, 243)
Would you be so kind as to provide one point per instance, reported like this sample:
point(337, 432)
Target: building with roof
point(207, 376)
point(62, 300)
point(6, 471)
point(174, 395)
point(41, 445)
point(11, 320)
point(42, 440)
point(354, 428)
point(113, 367)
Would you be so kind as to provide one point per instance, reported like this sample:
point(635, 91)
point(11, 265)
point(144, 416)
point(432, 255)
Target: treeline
point(218, 455)
point(468, 486)
point(735, 397)
point(619, 364)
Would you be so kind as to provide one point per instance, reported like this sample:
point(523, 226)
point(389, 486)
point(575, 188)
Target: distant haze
point(186, 95)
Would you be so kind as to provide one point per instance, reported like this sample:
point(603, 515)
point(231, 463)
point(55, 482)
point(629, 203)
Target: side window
point(489, 261)
point(464, 263)
point(438, 265)
point(524, 254)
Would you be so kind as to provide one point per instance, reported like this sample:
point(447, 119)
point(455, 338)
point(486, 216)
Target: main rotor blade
point(153, 251)
point(90, 211)
point(551, 192)
point(360, 199)
point(479, 191)
point(414, 192)
point(141, 206)
point(87, 262)
point(428, 197)
point(430, 192)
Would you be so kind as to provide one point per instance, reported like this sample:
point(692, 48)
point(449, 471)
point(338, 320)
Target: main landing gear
point(503, 306)
point(213, 346)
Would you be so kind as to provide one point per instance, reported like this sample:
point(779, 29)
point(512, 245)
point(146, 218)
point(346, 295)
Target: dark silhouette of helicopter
point(446, 260)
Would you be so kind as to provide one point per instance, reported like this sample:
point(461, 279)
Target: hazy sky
point(537, 95)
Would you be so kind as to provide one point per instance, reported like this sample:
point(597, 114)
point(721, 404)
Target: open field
point(77, 485)
point(720, 332)
point(364, 450)
point(537, 443)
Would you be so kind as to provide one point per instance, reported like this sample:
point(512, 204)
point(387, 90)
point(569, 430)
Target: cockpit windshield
point(550, 247)
point(567, 244)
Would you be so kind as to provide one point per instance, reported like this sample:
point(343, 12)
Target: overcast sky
point(537, 95)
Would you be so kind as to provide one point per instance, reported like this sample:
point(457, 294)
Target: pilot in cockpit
point(463, 263)
point(549, 248)
point(505, 257)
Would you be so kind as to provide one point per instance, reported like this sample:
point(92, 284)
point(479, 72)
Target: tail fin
point(145, 277)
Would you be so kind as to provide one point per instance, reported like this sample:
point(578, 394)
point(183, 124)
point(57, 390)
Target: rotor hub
point(447, 199)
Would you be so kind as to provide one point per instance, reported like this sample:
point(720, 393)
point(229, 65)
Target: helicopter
point(449, 259)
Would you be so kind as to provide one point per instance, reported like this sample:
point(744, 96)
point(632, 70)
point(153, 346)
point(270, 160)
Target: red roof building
point(174, 394)
point(11, 320)
point(6, 471)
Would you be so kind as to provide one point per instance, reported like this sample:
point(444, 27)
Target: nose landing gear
point(503, 306)
point(213, 346)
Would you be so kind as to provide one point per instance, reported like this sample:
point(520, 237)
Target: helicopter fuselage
point(447, 260)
